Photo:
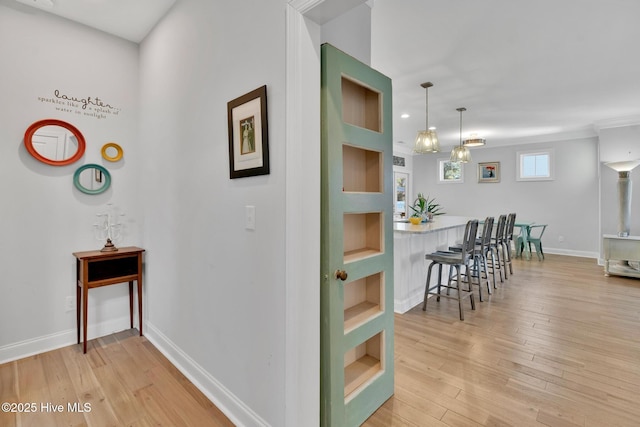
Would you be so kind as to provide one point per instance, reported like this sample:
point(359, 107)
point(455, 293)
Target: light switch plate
point(250, 216)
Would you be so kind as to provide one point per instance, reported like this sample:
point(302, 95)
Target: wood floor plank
point(414, 402)
point(415, 415)
point(553, 420)
point(386, 417)
point(8, 393)
point(545, 401)
point(62, 391)
point(121, 398)
point(34, 390)
point(122, 378)
point(216, 414)
point(454, 419)
point(87, 387)
point(556, 345)
point(413, 389)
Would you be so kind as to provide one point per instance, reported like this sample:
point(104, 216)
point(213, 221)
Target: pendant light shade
point(427, 140)
point(460, 153)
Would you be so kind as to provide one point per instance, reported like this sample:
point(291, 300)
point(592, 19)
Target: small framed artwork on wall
point(248, 134)
point(489, 172)
point(450, 172)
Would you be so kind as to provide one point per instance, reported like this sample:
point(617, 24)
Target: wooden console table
point(95, 269)
point(620, 249)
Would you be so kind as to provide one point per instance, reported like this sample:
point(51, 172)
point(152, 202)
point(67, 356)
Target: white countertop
point(440, 222)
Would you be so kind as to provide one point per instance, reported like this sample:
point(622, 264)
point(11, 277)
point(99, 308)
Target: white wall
point(569, 204)
point(215, 291)
point(351, 32)
point(43, 218)
point(619, 143)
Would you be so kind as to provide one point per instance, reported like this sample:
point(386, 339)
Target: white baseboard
point(26, 348)
point(234, 408)
point(567, 252)
point(402, 306)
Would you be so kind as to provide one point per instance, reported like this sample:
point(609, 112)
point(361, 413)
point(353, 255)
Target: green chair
point(535, 236)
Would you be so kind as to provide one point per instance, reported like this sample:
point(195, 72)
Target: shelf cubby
point(362, 235)
point(363, 300)
point(361, 170)
point(362, 364)
point(361, 105)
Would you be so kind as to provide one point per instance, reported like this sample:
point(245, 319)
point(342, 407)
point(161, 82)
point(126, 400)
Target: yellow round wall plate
point(108, 152)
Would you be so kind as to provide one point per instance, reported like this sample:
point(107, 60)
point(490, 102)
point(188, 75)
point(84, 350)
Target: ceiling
point(526, 71)
point(129, 19)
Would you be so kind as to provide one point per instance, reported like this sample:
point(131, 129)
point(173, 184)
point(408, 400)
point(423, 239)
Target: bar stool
point(508, 238)
point(497, 245)
point(486, 250)
point(482, 252)
point(464, 258)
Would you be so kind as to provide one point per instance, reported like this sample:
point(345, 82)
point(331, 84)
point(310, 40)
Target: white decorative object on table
point(108, 227)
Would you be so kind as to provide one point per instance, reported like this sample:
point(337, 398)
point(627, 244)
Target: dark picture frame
point(248, 134)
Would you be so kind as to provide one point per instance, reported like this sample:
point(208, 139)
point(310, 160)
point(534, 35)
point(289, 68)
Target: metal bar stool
point(483, 251)
point(508, 238)
point(464, 258)
point(497, 244)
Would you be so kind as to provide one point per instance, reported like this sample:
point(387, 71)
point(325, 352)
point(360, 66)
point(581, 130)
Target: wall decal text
point(88, 106)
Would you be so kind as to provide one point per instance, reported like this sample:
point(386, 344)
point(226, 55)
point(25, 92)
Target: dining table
point(524, 227)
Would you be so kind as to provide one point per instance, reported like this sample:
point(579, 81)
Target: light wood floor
point(124, 378)
point(558, 345)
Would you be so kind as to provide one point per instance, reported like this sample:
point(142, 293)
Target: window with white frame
point(535, 165)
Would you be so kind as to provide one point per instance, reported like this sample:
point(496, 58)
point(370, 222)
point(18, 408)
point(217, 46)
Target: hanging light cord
point(461, 126)
point(426, 120)
point(426, 86)
point(461, 109)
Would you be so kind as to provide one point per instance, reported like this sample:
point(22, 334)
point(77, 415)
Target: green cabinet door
point(357, 240)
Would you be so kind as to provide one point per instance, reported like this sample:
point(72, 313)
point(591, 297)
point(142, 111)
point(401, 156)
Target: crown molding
point(402, 148)
point(323, 11)
point(616, 123)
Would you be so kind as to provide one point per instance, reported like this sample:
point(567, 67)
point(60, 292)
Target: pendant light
point(460, 154)
point(427, 140)
point(474, 141)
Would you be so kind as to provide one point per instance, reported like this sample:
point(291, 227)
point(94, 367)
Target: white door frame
point(302, 265)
